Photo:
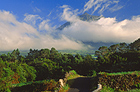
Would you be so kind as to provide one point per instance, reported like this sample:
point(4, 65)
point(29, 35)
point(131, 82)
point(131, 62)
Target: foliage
point(6, 75)
point(74, 52)
point(73, 71)
point(94, 73)
point(26, 72)
point(65, 88)
point(37, 86)
point(52, 64)
point(120, 82)
point(122, 73)
point(118, 57)
point(51, 85)
point(134, 90)
point(107, 89)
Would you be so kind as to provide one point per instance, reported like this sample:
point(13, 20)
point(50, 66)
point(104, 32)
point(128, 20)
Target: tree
point(15, 55)
point(135, 45)
point(113, 48)
point(55, 55)
point(102, 51)
point(6, 75)
point(4, 57)
point(45, 53)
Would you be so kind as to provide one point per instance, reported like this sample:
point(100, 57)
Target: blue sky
point(26, 24)
point(45, 7)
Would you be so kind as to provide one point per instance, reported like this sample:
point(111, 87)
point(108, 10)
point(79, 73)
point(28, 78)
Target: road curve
point(81, 84)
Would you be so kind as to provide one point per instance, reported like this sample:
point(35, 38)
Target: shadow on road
point(81, 84)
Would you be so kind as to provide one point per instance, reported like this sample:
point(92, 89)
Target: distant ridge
point(87, 17)
point(135, 44)
point(83, 17)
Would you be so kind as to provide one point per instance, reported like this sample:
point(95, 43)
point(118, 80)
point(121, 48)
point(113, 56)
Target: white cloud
point(68, 14)
point(31, 19)
point(63, 43)
point(103, 30)
point(15, 34)
point(88, 5)
point(44, 25)
point(25, 35)
point(102, 5)
point(49, 14)
point(115, 8)
point(36, 9)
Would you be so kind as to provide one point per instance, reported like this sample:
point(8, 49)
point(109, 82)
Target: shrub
point(94, 73)
point(6, 76)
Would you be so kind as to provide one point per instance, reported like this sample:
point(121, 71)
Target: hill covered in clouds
point(83, 17)
point(81, 31)
point(87, 18)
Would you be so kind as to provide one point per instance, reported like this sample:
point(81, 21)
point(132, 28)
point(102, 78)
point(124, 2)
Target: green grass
point(28, 83)
point(74, 75)
point(108, 89)
point(134, 90)
point(122, 73)
point(73, 71)
point(66, 87)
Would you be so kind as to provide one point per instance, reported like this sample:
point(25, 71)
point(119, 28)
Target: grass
point(70, 80)
point(108, 89)
point(41, 86)
point(134, 90)
point(74, 72)
point(66, 87)
point(122, 73)
point(28, 83)
point(74, 75)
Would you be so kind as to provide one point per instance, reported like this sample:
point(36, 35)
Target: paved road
point(81, 84)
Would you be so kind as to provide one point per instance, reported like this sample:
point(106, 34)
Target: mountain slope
point(83, 17)
point(135, 44)
point(86, 17)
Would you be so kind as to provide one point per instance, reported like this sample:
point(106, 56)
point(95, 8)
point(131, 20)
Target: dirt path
point(81, 84)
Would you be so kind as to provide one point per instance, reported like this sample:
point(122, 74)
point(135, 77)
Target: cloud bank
point(15, 34)
point(31, 19)
point(103, 30)
point(27, 34)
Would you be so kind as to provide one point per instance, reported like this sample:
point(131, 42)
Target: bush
point(120, 82)
point(94, 73)
point(26, 72)
point(6, 76)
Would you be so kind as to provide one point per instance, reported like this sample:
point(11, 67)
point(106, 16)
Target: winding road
point(81, 84)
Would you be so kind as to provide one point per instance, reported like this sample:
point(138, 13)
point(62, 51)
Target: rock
point(61, 82)
point(98, 89)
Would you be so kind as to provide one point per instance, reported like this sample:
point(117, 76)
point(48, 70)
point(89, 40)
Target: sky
point(26, 24)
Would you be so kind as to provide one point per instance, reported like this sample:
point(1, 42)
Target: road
point(81, 84)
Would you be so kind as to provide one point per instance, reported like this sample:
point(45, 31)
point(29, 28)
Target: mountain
point(87, 17)
point(67, 24)
point(135, 44)
point(83, 17)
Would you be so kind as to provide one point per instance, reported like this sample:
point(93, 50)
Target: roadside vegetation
point(50, 65)
point(69, 77)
